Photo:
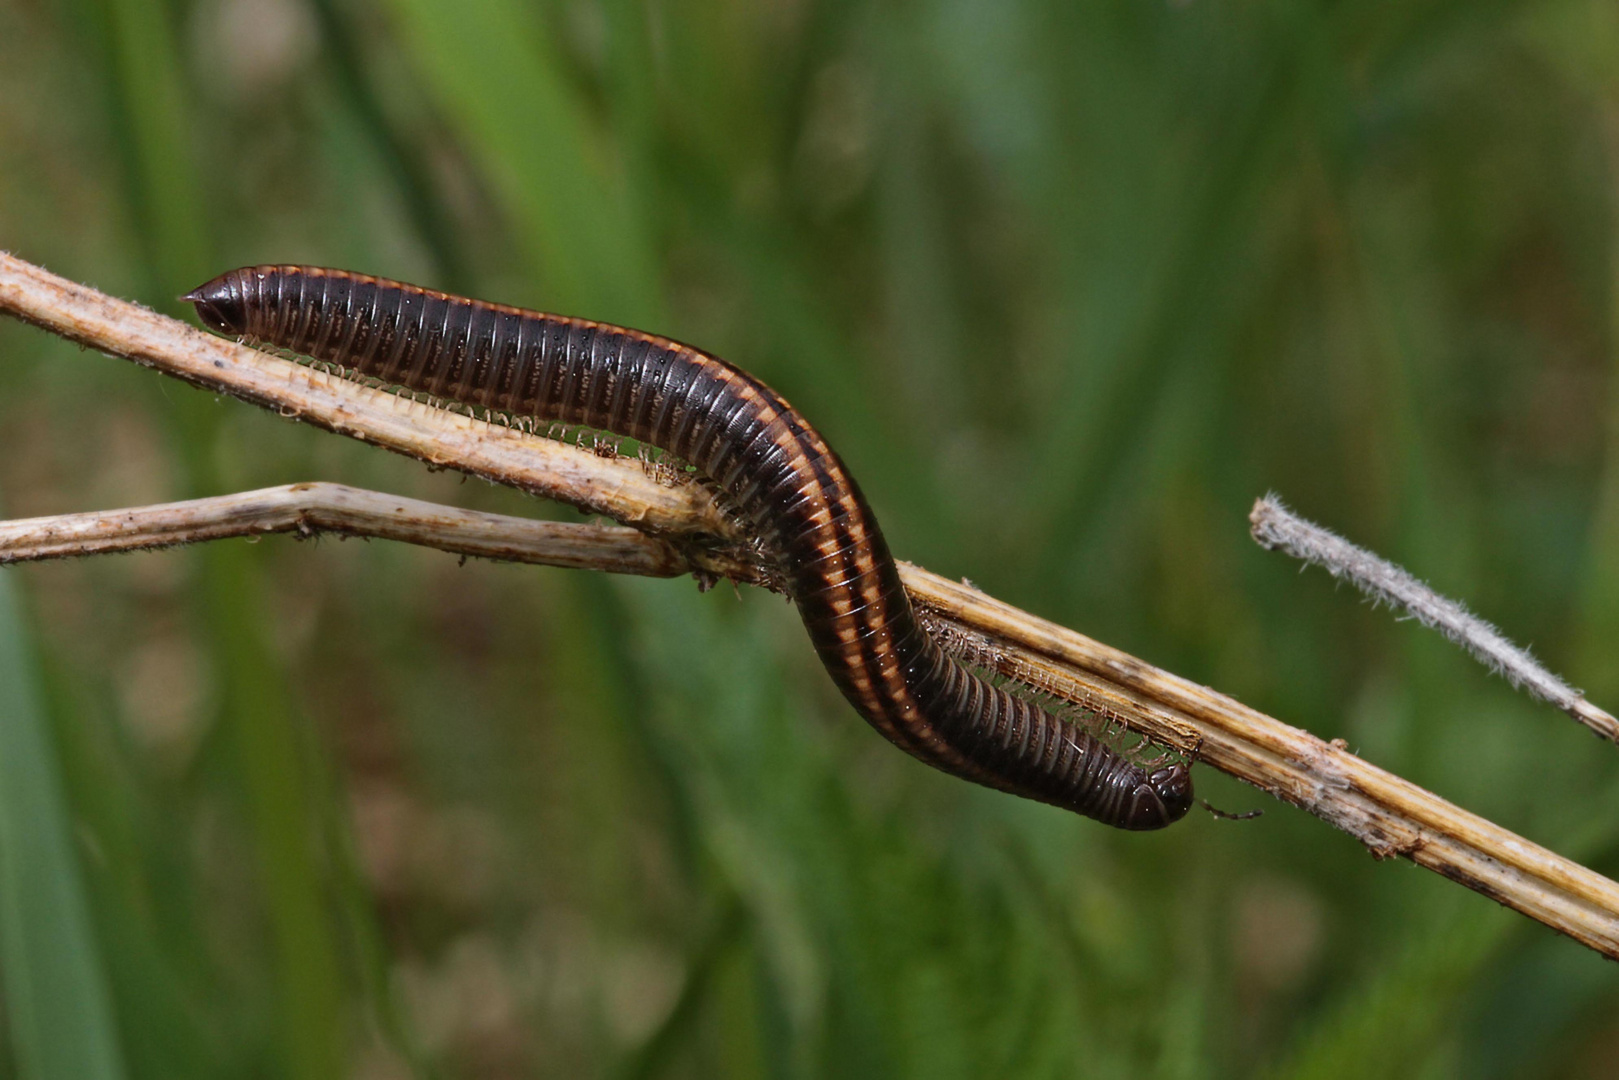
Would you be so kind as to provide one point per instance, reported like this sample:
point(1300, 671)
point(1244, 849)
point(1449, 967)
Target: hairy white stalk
point(1277, 528)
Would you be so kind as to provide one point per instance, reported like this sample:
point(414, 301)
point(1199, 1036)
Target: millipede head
point(1162, 800)
point(221, 306)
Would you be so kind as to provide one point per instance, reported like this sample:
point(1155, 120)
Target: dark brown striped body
point(781, 476)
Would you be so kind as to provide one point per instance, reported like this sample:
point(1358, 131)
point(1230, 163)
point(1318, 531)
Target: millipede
point(778, 474)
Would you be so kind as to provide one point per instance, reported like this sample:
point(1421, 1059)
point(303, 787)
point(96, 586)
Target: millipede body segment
point(780, 475)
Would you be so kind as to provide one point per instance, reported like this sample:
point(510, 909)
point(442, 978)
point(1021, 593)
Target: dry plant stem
point(318, 508)
point(614, 486)
point(1276, 527)
point(1388, 814)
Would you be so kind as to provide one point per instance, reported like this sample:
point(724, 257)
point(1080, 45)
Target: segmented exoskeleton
point(774, 468)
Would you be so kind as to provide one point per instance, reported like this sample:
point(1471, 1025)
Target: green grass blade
point(497, 74)
point(150, 97)
point(57, 994)
point(399, 157)
point(165, 191)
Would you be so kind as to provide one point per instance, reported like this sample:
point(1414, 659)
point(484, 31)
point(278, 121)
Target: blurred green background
point(1069, 284)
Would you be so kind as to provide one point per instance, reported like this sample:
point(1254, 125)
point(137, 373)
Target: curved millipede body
point(777, 472)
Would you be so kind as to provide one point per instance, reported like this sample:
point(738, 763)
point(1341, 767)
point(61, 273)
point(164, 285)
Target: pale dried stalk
point(1389, 815)
point(318, 508)
point(620, 488)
